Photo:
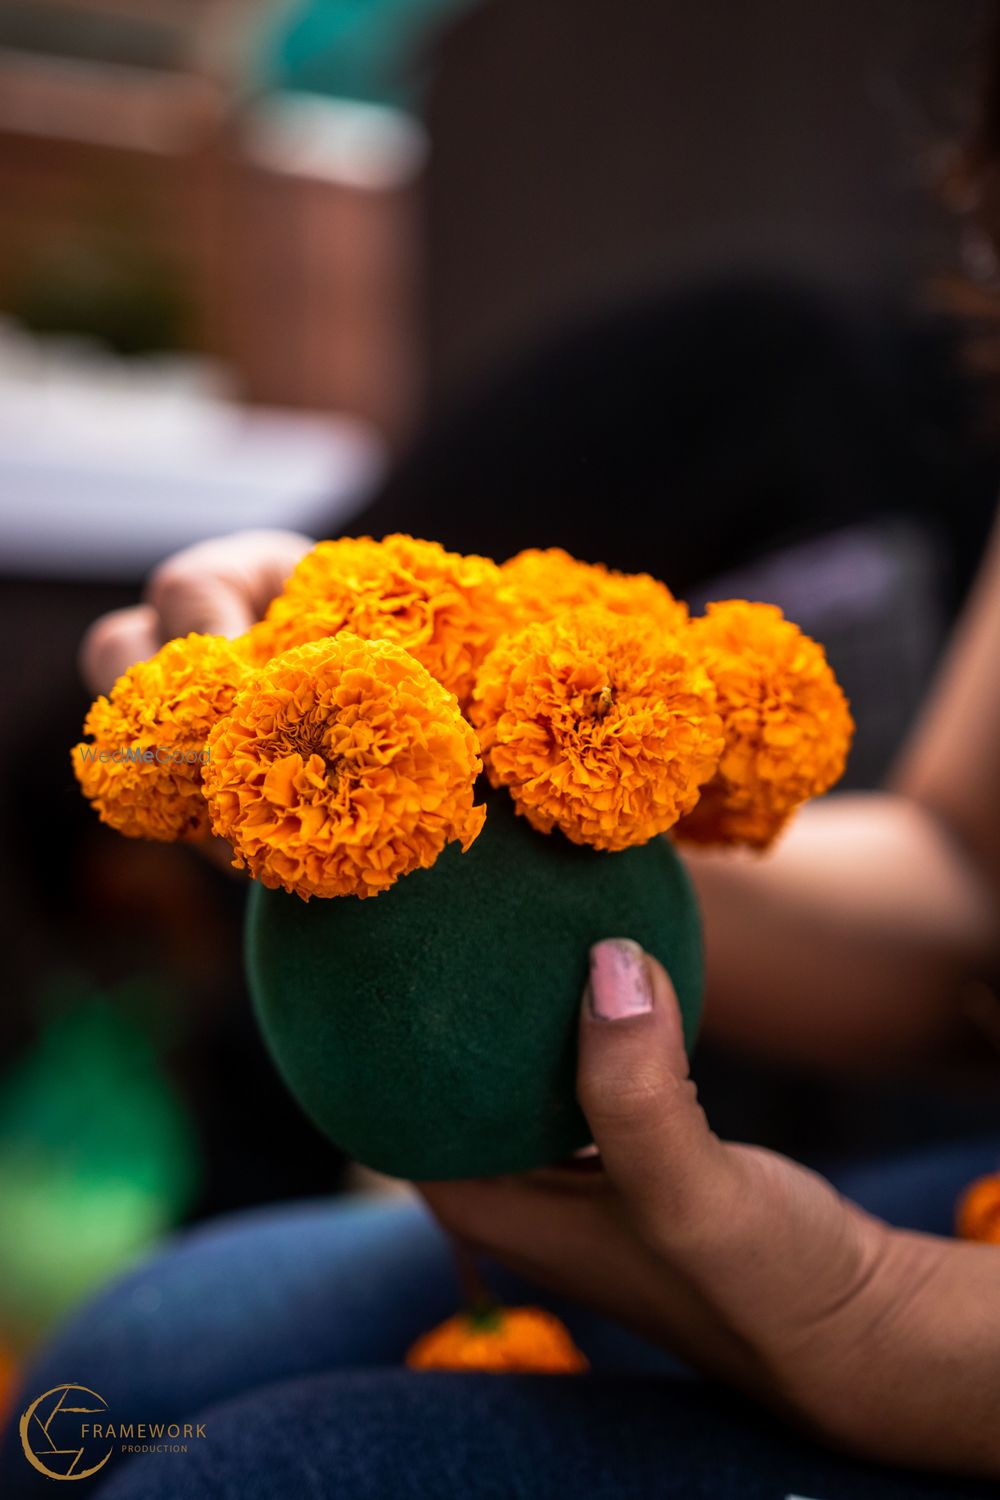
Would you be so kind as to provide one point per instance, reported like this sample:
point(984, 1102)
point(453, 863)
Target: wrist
point(909, 1372)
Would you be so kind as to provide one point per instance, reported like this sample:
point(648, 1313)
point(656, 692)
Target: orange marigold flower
point(442, 607)
point(979, 1210)
point(601, 726)
point(515, 1340)
point(540, 583)
point(342, 766)
point(787, 724)
point(151, 732)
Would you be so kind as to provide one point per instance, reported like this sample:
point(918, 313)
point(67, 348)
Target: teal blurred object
point(97, 1160)
point(370, 50)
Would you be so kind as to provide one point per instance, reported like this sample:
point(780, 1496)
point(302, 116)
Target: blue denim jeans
point(282, 1331)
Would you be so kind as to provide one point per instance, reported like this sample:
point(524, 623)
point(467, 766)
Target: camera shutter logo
point(45, 1433)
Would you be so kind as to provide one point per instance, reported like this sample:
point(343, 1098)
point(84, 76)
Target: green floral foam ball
point(430, 1031)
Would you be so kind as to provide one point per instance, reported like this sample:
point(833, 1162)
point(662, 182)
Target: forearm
point(851, 941)
point(918, 1378)
point(854, 939)
point(950, 764)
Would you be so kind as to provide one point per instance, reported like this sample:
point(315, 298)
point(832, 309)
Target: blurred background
point(685, 285)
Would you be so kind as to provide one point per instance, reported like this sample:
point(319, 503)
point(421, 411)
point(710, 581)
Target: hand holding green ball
point(432, 1033)
point(429, 1027)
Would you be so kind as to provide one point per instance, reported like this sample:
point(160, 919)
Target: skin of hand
point(853, 943)
point(750, 1267)
point(219, 587)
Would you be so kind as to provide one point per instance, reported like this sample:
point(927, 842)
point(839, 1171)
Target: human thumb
point(634, 1088)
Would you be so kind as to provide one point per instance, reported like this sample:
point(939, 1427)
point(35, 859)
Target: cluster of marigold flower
point(347, 729)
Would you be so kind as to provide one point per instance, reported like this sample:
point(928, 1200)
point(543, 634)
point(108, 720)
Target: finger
point(184, 601)
point(265, 560)
point(569, 1243)
point(578, 1244)
point(511, 1215)
point(114, 643)
point(634, 1088)
point(766, 1242)
point(221, 586)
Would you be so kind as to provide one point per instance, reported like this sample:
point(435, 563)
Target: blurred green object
point(372, 50)
point(101, 287)
point(97, 1160)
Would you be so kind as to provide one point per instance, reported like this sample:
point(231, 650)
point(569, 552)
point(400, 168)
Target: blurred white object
point(108, 465)
point(344, 141)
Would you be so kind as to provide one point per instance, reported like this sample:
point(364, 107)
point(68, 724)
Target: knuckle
point(632, 1098)
point(168, 584)
point(621, 1102)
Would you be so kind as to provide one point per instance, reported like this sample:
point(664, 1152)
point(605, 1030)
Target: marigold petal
point(342, 766)
point(161, 709)
point(787, 724)
point(541, 583)
point(441, 606)
point(602, 726)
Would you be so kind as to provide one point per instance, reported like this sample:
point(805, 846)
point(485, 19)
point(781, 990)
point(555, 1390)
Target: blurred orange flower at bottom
point(515, 1340)
point(978, 1215)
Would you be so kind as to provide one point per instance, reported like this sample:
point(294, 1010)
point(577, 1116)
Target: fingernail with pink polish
point(619, 980)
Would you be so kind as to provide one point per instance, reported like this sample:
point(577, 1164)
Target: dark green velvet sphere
point(431, 1031)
